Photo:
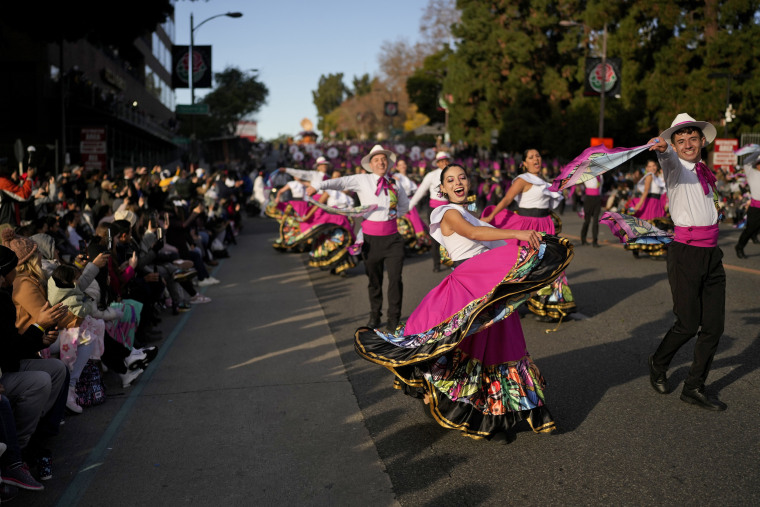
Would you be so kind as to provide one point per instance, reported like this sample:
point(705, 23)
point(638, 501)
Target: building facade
point(79, 104)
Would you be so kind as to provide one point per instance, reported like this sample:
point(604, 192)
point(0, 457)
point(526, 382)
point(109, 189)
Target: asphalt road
point(620, 443)
point(258, 398)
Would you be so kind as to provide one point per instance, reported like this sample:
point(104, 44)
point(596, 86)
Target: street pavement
point(258, 398)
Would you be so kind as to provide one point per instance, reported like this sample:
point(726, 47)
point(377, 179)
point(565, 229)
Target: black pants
point(752, 227)
point(698, 285)
point(435, 251)
point(378, 253)
point(592, 206)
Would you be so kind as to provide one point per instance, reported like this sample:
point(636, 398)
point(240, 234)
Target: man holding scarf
point(695, 269)
point(383, 246)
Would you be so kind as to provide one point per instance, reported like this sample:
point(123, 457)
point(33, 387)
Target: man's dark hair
point(687, 130)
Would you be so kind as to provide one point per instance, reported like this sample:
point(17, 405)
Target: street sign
point(724, 155)
point(192, 108)
point(93, 148)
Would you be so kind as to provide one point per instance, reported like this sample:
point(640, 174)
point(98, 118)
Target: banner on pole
point(181, 67)
point(593, 82)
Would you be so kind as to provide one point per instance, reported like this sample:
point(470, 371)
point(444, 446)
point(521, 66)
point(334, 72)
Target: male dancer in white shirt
point(383, 246)
point(695, 270)
point(430, 187)
point(753, 213)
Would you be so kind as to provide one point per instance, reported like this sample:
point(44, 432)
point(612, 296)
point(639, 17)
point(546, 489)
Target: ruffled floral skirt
point(464, 347)
point(417, 240)
point(555, 301)
point(654, 250)
point(330, 251)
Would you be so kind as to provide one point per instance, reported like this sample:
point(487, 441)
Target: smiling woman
point(462, 350)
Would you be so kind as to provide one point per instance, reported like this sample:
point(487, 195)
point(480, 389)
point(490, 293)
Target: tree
point(425, 85)
point(435, 25)
point(237, 95)
point(362, 85)
point(516, 71)
point(329, 94)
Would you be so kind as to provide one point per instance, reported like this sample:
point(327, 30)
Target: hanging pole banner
point(181, 66)
point(593, 83)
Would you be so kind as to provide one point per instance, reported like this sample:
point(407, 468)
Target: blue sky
point(292, 43)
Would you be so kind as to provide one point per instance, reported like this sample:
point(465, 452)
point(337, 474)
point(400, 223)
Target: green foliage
point(425, 85)
point(362, 85)
point(237, 95)
point(329, 94)
point(517, 71)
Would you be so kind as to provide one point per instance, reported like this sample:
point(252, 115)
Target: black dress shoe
point(596, 245)
point(699, 398)
point(437, 269)
point(740, 252)
point(658, 380)
point(374, 322)
point(392, 325)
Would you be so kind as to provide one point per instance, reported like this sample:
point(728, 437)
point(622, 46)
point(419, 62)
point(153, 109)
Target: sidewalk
point(248, 403)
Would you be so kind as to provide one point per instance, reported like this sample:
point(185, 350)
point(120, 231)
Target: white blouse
point(459, 247)
point(538, 195)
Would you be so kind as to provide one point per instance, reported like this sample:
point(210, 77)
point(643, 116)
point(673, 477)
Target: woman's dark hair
point(64, 276)
point(443, 171)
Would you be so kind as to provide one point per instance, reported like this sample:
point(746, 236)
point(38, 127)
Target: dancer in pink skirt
point(462, 349)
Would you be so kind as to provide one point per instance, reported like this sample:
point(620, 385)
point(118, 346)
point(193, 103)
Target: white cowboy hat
point(684, 120)
point(442, 155)
point(377, 150)
point(321, 161)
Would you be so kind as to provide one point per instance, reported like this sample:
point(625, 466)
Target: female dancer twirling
point(462, 350)
point(535, 201)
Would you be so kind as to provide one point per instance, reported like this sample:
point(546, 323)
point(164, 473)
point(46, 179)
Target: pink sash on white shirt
point(384, 228)
point(704, 236)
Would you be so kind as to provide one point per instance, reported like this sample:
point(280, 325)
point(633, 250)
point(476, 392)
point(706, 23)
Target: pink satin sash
point(704, 236)
point(754, 203)
point(385, 228)
point(593, 191)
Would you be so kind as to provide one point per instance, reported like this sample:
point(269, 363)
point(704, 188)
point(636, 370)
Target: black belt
point(534, 212)
point(654, 196)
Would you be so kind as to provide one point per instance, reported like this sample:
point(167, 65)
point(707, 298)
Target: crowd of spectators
point(89, 267)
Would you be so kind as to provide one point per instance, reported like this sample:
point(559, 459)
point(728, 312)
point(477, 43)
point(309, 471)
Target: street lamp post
point(604, 71)
point(728, 112)
point(190, 83)
point(193, 28)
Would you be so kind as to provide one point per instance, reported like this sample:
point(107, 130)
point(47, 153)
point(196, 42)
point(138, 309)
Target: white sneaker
point(199, 298)
point(129, 377)
point(71, 401)
point(135, 358)
point(208, 281)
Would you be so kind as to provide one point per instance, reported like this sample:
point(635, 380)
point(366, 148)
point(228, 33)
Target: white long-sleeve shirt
point(365, 186)
point(406, 183)
point(688, 204)
point(306, 175)
point(753, 180)
point(428, 186)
